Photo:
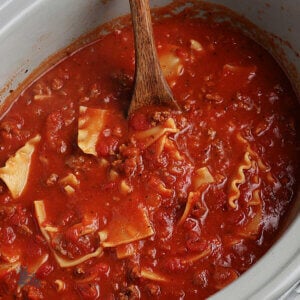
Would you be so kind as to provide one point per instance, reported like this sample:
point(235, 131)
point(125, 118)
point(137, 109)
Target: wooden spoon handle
point(150, 84)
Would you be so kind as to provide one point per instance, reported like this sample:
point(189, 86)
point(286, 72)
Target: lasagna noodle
point(201, 180)
point(66, 263)
point(202, 176)
point(164, 143)
point(125, 228)
point(150, 136)
point(261, 165)
point(193, 197)
point(16, 170)
point(196, 257)
point(173, 150)
point(91, 121)
point(171, 64)
point(154, 276)
point(126, 250)
point(9, 267)
point(238, 179)
point(251, 228)
point(38, 263)
point(63, 263)
point(161, 145)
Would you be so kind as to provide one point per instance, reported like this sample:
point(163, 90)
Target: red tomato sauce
point(165, 205)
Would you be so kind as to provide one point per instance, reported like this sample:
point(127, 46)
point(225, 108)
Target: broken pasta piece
point(70, 179)
point(149, 274)
point(60, 285)
point(199, 256)
point(195, 45)
point(69, 183)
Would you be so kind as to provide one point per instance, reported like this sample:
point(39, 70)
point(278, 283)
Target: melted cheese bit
point(16, 170)
point(246, 73)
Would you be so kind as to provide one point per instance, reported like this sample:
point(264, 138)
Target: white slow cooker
point(33, 30)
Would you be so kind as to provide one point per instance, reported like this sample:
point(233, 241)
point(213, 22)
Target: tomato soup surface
point(163, 204)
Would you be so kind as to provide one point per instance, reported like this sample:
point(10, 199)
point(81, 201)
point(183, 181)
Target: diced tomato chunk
point(196, 245)
point(89, 291)
point(44, 270)
point(107, 145)
point(7, 235)
point(20, 216)
point(54, 125)
point(175, 264)
point(139, 122)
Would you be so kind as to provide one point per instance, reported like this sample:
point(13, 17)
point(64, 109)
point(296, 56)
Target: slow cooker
point(33, 30)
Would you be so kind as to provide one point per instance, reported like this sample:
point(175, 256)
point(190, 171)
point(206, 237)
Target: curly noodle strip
point(251, 229)
point(261, 165)
point(239, 178)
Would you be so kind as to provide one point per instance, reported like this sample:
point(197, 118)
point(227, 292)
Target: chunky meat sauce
point(163, 204)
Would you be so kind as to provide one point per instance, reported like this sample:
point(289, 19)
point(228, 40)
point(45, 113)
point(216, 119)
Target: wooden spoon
point(150, 86)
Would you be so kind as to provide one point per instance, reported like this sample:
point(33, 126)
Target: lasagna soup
point(161, 204)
